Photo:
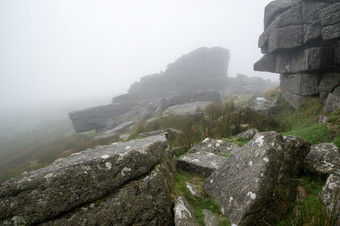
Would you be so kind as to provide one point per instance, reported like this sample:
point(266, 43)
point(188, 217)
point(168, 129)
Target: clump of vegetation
point(198, 204)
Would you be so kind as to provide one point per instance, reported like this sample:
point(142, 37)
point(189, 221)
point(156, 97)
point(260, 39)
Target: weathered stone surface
point(330, 15)
point(209, 218)
point(109, 116)
point(294, 100)
point(203, 163)
point(273, 9)
point(322, 159)
point(78, 180)
point(260, 104)
point(330, 196)
point(184, 214)
point(214, 146)
point(300, 84)
point(331, 32)
point(167, 132)
point(145, 201)
point(193, 190)
point(285, 38)
point(187, 109)
point(251, 186)
point(248, 134)
point(115, 131)
point(332, 102)
point(327, 84)
point(322, 119)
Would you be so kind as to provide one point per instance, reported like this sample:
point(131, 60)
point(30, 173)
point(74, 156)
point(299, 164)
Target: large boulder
point(248, 134)
point(187, 109)
point(84, 187)
point(333, 101)
point(323, 159)
point(257, 183)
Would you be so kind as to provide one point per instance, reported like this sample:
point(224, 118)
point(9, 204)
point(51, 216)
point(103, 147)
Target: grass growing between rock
point(308, 210)
point(198, 204)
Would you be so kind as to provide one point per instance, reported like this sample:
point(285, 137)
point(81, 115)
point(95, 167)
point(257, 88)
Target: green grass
point(198, 205)
point(240, 141)
point(315, 134)
point(308, 211)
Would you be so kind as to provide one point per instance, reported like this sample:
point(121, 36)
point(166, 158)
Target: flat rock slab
point(209, 218)
point(323, 159)
point(79, 179)
point(184, 214)
point(253, 183)
point(145, 201)
point(214, 146)
point(115, 131)
point(186, 109)
point(203, 163)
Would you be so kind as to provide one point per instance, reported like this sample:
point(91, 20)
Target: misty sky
point(64, 50)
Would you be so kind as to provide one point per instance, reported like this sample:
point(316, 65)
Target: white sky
point(53, 51)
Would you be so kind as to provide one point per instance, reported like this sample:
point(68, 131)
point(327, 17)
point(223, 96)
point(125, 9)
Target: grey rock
point(126, 97)
point(184, 214)
point(214, 146)
point(273, 9)
point(209, 218)
point(250, 187)
point(311, 11)
point(292, 99)
point(327, 84)
point(203, 163)
point(311, 33)
point(322, 119)
point(167, 132)
point(331, 32)
point(193, 190)
point(330, 197)
point(144, 201)
point(260, 104)
point(322, 159)
point(285, 38)
point(266, 63)
point(187, 109)
point(124, 127)
point(300, 84)
point(332, 102)
point(330, 15)
point(248, 134)
point(80, 179)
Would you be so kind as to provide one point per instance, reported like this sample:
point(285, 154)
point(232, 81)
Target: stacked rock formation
point(301, 41)
point(200, 70)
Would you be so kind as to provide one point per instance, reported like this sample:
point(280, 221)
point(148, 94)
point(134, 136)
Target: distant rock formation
point(301, 41)
point(200, 70)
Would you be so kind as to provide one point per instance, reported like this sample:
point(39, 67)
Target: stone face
point(327, 84)
point(323, 159)
point(184, 214)
point(285, 38)
point(330, 196)
point(300, 84)
point(330, 15)
point(203, 163)
point(193, 190)
point(251, 186)
point(80, 179)
point(214, 146)
point(115, 131)
point(145, 201)
point(294, 100)
point(273, 9)
point(193, 97)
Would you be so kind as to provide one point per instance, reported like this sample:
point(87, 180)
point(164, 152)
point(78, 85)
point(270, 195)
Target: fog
point(54, 52)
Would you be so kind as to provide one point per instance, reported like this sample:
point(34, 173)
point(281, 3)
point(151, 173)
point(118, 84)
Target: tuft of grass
point(197, 204)
point(240, 141)
point(316, 133)
point(309, 211)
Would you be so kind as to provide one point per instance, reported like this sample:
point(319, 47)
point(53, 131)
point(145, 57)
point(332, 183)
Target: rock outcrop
point(202, 69)
point(134, 177)
point(254, 184)
point(217, 147)
point(301, 42)
point(184, 214)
